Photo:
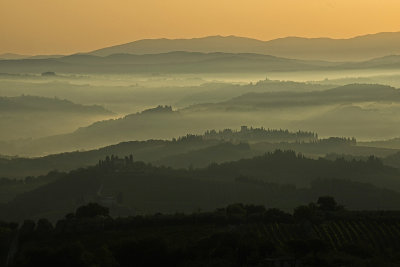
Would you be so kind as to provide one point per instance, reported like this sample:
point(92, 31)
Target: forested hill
point(128, 186)
point(287, 167)
point(148, 151)
point(190, 150)
point(198, 151)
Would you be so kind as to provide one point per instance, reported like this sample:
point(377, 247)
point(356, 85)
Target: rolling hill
point(348, 94)
point(34, 117)
point(262, 180)
point(193, 152)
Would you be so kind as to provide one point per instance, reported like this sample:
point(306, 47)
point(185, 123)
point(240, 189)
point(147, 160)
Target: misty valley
point(215, 151)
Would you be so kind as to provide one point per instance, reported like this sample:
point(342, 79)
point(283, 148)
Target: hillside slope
point(260, 180)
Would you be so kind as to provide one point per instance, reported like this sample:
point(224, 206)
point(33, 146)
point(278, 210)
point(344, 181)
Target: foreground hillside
point(317, 234)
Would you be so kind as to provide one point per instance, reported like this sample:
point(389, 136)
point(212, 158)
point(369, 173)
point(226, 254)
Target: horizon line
point(200, 37)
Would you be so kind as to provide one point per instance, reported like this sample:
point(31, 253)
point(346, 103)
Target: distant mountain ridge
point(357, 48)
point(186, 62)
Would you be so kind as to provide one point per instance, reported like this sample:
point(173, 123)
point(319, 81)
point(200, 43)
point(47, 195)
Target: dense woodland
point(317, 234)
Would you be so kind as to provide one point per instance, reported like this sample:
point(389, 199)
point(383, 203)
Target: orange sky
point(69, 26)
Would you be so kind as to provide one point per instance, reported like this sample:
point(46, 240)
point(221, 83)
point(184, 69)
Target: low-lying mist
point(306, 100)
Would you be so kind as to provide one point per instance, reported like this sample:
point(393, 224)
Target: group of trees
point(252, 134)
point(237, 235)
point(115, 161)
point(261, 134)
point(337, 141)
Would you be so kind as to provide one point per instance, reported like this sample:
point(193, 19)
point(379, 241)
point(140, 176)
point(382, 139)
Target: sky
point(34, 27)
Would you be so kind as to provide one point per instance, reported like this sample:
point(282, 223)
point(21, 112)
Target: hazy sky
point(69, 26)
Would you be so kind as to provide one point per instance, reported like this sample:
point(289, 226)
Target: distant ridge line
point(362, 47)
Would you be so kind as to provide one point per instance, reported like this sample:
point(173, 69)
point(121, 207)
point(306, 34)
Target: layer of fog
point(127, 94)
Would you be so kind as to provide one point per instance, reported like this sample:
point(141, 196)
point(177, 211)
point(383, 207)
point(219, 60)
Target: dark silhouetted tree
point(327, 203)
point(91, 210)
